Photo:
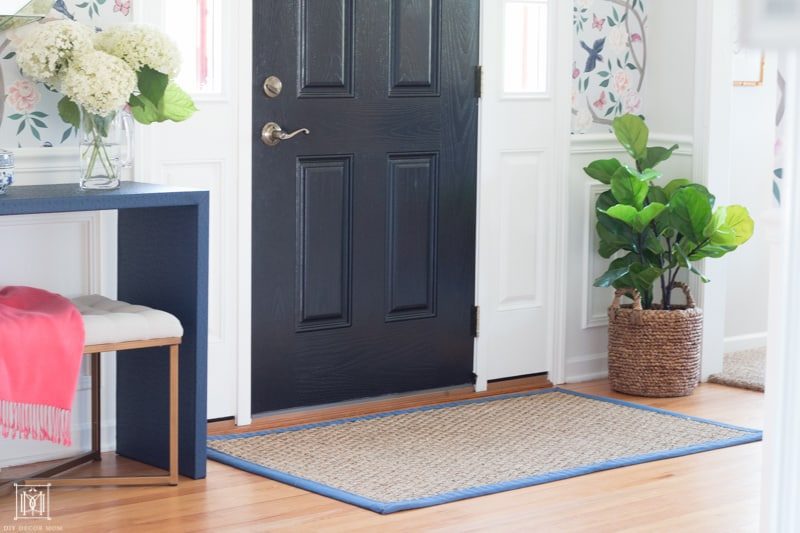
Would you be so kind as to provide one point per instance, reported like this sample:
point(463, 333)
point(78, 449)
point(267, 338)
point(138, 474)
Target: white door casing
point(523, 149)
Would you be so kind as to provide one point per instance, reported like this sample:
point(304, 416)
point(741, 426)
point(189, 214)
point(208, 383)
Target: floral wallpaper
point(610, 61)
point(28, 114)
point(780, 132)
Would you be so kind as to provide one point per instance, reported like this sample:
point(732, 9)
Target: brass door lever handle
point(272, 134)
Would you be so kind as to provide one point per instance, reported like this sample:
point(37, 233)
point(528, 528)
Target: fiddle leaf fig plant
point(652, 231)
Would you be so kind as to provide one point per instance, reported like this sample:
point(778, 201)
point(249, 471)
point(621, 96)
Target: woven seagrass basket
point(654, 352)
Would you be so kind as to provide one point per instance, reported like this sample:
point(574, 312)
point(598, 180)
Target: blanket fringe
point(34, 421)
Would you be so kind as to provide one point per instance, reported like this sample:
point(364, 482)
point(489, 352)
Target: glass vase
point(105, 149)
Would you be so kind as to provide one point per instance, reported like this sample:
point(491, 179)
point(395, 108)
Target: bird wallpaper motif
point(609, 62)
point(28, 114)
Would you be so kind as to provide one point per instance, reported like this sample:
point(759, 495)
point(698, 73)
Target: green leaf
point(704, 190)
point(649, 214)
point(739, 221)
point(632, 133)
point(690, 213)
point(625, 213)
point(673, 186)
point(648, 174)
point(15, 116)
point(38, 122)
point(603, 169)
point(657, 154)
point(657, 194)
point(711, 250)
point(717, 231)
point(628, 189)
point(177, 104)
point(143, 110)
point(611, 242)
point(152, 84)
point(69, 112)
point(612, 275)
point(637, 219)
point(643, 276)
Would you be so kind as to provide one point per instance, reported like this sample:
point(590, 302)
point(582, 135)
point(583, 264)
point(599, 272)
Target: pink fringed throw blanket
point(41, 345)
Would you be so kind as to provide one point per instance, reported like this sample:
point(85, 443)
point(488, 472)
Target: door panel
point(363, 230)
point(518, 175)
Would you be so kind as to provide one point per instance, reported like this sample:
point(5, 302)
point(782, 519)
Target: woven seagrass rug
point(431, 455)
point(744, 370)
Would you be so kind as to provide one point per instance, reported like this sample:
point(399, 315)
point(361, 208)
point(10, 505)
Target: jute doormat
point(431, 455)
point(744, 370)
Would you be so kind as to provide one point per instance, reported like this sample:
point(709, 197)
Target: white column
point(781, 471)
point(712, 166)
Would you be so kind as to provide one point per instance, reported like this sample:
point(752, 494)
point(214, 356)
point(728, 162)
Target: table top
point(59, 198)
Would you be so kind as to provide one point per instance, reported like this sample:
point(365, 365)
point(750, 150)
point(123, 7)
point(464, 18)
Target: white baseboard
point(745, 342)
point(587, 367)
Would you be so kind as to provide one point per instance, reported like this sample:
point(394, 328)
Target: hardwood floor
point(716, 491)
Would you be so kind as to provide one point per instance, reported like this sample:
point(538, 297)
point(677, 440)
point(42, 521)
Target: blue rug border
point(752, 435)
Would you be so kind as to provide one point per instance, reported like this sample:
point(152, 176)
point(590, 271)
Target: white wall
point(752, 162)
point(670, 79)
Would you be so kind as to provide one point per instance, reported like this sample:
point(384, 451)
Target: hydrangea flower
point(141, 46)
point(44, 52)
point(99, 82)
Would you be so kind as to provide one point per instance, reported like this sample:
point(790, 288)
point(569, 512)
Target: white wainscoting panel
point(70, 254)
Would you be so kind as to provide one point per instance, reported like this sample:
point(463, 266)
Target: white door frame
point(244, 22)
point(556, 246)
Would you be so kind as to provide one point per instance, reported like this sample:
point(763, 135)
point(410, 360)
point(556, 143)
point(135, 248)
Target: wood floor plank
point(716, 491)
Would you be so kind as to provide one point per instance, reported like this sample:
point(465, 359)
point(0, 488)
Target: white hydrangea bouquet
point(100, 74)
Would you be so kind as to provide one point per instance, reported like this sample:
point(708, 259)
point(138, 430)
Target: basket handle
point(636, 316)
point(632, 293)
point(686, 292)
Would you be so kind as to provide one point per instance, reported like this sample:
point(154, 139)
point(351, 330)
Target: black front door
point(363, 229)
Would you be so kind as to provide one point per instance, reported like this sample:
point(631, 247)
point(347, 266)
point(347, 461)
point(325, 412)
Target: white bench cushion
point(108, 321)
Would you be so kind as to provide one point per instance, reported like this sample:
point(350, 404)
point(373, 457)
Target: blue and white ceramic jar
point(6, 170)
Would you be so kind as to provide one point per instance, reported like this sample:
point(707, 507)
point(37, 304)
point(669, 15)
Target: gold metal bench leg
point(96, 414)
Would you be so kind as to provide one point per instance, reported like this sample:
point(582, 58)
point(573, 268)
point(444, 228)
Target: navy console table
point(163, 263)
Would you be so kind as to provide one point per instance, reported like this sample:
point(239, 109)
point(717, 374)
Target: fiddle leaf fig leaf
point(739, 221)
point(625, 213)
point(657, 194)
point(711, 250)
point(603, 169)
point(647, 174)
point(632, 134)
point(637, 219)
point(690, 213)
point(717, 231)
point(612, 275)
point(648, 214)
point(628, 189)
point(656, 155)
point(673, 186)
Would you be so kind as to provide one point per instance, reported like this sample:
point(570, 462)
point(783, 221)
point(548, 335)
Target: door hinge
point(478, 81)
point(476, 320)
